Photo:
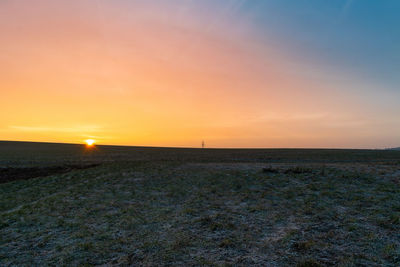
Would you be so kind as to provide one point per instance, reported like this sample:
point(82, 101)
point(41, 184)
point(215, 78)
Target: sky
point(234, 73)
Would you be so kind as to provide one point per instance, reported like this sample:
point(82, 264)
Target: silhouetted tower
point(202, 144)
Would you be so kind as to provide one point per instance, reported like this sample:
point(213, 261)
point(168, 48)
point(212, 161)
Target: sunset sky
point(238, 73)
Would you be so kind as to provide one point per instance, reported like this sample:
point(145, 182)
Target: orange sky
point(172, 75)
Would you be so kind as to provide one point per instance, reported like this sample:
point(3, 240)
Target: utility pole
point(202, 144)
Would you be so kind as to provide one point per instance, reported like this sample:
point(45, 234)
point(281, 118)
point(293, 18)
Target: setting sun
point(238, 74)
point(138, 131)
point(90, 142)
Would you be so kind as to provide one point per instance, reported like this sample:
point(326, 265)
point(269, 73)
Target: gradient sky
point(236, 73)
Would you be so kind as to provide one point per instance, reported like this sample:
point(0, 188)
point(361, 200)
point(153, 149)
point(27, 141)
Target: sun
point(90, 142)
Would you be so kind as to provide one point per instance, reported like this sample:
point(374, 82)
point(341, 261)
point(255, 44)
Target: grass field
point(121, 206)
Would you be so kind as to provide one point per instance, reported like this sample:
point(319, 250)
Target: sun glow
point(90, 142)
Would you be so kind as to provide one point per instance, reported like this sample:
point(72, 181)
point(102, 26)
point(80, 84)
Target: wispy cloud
point(345, 9)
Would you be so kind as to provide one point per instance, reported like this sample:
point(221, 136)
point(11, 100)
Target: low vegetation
point(183, 212)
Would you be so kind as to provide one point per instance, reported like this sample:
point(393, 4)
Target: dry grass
point(150, 213)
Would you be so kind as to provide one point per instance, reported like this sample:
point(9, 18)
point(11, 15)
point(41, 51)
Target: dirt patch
point(13, 174)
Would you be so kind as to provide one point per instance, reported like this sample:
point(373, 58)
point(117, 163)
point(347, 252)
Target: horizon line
point(199, 147)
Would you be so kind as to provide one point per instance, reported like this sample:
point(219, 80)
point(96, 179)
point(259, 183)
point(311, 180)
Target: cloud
point(345, 9)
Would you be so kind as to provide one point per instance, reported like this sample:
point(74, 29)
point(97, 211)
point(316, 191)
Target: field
point(119, 206)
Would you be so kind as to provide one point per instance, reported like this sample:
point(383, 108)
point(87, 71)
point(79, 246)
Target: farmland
point(64, 204)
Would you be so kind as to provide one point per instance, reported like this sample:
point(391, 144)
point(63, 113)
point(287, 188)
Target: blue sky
point(361, 36)
point(237, 73)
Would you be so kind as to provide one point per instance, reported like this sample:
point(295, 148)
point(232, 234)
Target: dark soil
point(13, 174)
